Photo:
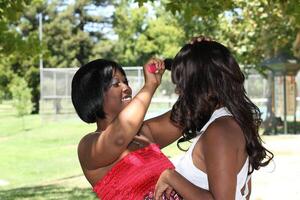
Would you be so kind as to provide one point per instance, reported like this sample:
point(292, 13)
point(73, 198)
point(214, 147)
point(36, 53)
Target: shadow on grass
point(47, 192)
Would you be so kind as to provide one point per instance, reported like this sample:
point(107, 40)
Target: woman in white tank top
point(215, 112)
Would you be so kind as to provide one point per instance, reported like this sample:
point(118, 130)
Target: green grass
point(39, 160)
point(42, 152)
point(47, 192)
point(37, 154)
point(39, 157)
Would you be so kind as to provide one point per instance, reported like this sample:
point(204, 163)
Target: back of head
point(207, 76)
point(89, 85)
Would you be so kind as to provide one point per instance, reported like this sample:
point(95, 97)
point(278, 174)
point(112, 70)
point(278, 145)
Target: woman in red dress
point(122, 158)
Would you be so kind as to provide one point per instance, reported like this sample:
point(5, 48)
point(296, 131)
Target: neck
point(102, 124)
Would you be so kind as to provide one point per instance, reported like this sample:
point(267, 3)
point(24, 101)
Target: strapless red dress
point(134, 177)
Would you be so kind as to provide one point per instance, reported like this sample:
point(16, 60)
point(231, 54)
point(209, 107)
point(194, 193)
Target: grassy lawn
point(47, 192)
point(39, 153)
point(36, 154)
point(39, 159)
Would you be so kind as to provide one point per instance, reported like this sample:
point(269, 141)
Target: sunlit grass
point(40, 161)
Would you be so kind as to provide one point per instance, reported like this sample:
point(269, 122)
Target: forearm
point(127, 123)
point(162, 136)
point(131, 117)
point(185, 188)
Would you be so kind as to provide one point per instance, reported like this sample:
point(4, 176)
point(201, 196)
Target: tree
point(142, 35)
point(69, 37)
point(259, 30)
point(144, 32)
point(254, 29)
point(13, 44)
point(21, 95)
point(71, 32)
point(10, 39)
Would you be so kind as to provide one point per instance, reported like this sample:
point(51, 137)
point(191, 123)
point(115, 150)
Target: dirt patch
point(280, 179)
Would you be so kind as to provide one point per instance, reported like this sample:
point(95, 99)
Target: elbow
point(125, 133)
point(120, 141)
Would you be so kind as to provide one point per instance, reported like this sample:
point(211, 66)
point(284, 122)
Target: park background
point(42, 43)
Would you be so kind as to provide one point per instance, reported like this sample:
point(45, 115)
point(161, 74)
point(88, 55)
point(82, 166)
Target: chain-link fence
point(56, 90)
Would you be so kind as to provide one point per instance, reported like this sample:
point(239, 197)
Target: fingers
point(200, 38)
point(162, 192)
point(153, 71)
point(168, 192)
point(158, 194)
point(160, 66)
point(158, 191)
point(155, 65)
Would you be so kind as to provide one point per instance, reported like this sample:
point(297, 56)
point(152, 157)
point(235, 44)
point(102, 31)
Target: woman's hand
point(154, 79)
point(162, 186)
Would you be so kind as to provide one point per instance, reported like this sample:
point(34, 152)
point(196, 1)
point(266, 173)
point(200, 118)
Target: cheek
point(113, 97)
point(112, 105)
point(111, 101)
point(112, 93)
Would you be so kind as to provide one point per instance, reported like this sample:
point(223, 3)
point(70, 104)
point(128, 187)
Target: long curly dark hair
point(207, 76)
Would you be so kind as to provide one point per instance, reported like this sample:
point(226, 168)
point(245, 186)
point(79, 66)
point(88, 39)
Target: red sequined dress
point(134, 177)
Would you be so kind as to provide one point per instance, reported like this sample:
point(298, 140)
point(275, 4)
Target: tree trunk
point(296, 46)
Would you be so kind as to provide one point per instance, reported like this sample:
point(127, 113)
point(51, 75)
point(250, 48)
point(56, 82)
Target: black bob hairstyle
point(207, 76)
point(89, 84)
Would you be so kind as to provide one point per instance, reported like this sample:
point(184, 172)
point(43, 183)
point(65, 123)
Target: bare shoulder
point(223, 145)
point(87, 139)
point(224, 131)
point(95, 150)
point(85, 144)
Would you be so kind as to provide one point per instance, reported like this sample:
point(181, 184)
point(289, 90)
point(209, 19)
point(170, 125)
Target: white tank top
point(186, 167)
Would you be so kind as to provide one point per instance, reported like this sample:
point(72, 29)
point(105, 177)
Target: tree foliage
point(142, 34)
point(70, 31)
point(68, 40)
point(14, 46)
point(255, 29)
point(11, 41)
point(21, 96)
point(75, 32)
